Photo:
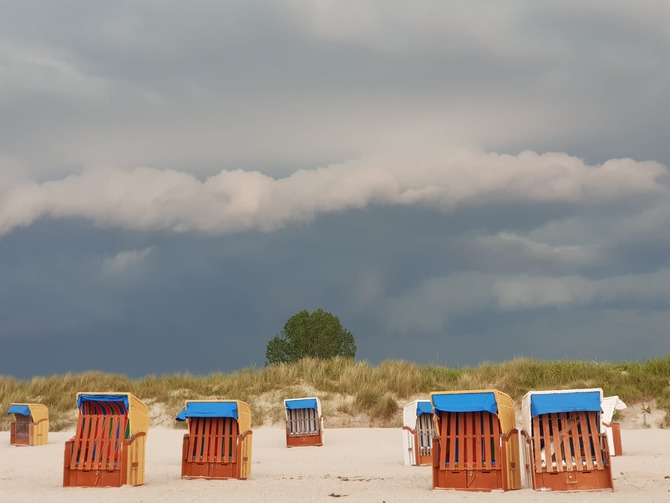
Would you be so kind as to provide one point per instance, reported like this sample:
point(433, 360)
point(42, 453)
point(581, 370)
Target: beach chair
point(304, 422)
point(476, 446)
point(108, 448)
point(218, 442)
point(566, 449)
point(418, 431)
point(610, 405)
point(31, 424)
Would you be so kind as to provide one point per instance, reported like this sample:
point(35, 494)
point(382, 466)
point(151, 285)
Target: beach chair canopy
point(235, 409)
point(587, 401)
point(423, 407)
point(23, 410)
point(301, 403)
point(536, 403)
point(465, 402)
point(208, 409)
point(37, 411)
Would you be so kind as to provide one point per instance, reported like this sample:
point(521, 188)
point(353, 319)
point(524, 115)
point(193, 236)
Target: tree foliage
point(318, 335)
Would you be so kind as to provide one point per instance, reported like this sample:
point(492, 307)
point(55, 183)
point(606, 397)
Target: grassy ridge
point(346, 387)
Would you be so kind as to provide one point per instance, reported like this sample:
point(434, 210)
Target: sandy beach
point(357, 464)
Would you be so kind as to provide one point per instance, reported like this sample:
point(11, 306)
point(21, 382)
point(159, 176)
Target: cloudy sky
point(457, 181)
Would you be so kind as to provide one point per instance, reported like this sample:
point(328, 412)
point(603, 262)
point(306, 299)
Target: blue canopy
point(423, 407)
point(24, 410)
point(208, 409)
point(301, 403)
point(466, 402)
point(547, 403)
point(102, 397)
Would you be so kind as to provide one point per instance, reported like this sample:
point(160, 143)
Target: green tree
point(317, 335)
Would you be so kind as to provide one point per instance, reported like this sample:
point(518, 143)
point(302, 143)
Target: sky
point(457, 181)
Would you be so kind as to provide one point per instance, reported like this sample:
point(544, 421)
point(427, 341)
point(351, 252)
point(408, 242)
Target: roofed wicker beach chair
point(218, 442)
point(476, 446)
point(566, 449)
point(31, 424)
point(304, 422)
point(108, 448)
point(418, 431)
point(610, 405)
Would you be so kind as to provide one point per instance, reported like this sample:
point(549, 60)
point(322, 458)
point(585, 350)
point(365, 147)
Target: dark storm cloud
point(341, 155)
point(275, 86)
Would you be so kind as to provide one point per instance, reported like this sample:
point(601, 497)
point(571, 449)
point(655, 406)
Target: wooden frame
point(22, 431)
point(218, 442)
point(610, 405)
point(303, 428)
point(470, 452)
point(568, 452)
point(25, 430)
point(476, 447)
point(418, 431)
point(108, 447)
point(214, 449)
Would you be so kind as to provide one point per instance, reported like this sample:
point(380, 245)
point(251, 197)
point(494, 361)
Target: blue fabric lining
point(548, 403)
point(208, 409)
point(301, 403)
point(24, 410)
point(95, 397)
point(466, 402)
point(423, 407)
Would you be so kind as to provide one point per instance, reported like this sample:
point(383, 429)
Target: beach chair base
point(596, 480)
point(215, 471)
point(467, 480)
point(232, 464)
point(93, 477)
point(569, 469)
point(424, 460)
point(21, 435)
point(24, 431)
point(464, 453)
point(304, 440)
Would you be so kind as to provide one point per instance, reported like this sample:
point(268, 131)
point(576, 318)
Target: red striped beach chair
point(218, 442)
point(565, 447)
point(476, 447)
point(108, 448)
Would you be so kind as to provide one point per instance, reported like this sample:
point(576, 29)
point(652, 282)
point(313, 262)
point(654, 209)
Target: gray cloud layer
point(457, 181)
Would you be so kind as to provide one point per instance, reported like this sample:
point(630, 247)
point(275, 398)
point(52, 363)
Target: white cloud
point(146, 198)
point(520, 248)
point(125, 261)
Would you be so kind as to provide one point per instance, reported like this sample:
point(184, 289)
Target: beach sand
point(354, 464)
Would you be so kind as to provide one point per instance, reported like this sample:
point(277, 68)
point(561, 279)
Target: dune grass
point(345, 386)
